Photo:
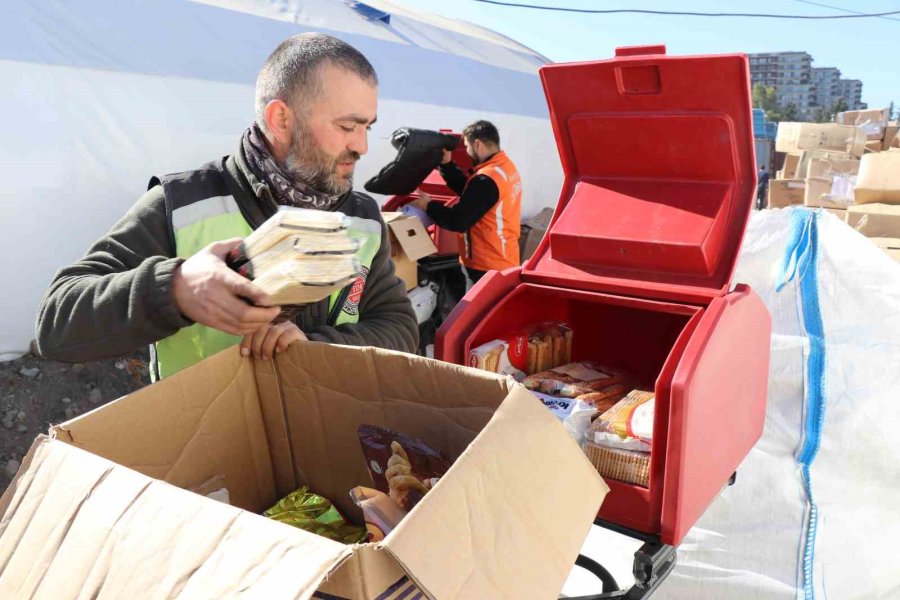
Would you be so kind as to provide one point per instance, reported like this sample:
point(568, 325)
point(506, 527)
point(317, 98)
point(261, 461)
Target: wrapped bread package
point(299, 256)
point(628, 425)
point(619, 440)
point(577, 379)
point(530, 350)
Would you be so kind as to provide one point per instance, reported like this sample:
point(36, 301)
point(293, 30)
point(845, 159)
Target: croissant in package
point(402, 467)
point(574, 380)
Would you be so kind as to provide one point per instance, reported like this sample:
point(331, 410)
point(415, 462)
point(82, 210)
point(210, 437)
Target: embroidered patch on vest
point(351, 306)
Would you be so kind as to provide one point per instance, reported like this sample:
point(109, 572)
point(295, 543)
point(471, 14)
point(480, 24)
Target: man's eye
point(346, 129)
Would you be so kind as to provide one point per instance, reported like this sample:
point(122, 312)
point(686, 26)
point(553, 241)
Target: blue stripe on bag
point(801, 263)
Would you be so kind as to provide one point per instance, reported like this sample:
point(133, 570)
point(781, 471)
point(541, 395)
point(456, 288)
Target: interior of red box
point(640, 338)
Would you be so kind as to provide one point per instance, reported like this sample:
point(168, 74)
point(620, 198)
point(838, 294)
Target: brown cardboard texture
point(891, 138)
point(879, 179)
point(794, 137)
point(789, 169)
point(875, 220)
point(409, 243)
point(874, 120)
point(785, 192)
point(818, 194)
point(874, 145)
point(807, 156)
point(891, 246)
point(107, 514)
point(533, 231)
point(829, 167)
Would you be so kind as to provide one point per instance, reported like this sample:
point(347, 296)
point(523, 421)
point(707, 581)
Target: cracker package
point(629, 466)
point(628, 425)
point(529, 350)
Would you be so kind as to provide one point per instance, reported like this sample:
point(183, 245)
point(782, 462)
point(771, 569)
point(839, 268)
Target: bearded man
point(159, 276)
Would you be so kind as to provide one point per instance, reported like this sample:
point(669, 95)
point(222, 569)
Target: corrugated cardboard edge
point(534, 563)
point(280, 552)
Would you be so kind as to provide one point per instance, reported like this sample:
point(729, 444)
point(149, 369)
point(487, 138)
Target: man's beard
point(474, 158)
point(309, 164)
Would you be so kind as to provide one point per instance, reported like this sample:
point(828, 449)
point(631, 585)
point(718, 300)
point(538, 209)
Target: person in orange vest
point(489, 210)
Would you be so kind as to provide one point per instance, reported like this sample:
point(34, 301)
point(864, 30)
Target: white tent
point(101, 95)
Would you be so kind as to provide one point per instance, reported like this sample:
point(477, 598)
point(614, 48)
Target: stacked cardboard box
point(409, 243)
point(834, 165)
point(878, 222)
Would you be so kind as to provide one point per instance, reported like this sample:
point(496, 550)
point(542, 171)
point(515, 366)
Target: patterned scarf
point(286, 189)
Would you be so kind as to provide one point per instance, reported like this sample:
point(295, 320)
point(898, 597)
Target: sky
point(867, 48)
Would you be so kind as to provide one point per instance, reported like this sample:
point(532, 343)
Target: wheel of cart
point(653, 562)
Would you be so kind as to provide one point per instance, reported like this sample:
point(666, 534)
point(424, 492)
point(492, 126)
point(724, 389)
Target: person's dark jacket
point(118, 297)
point(476, 197)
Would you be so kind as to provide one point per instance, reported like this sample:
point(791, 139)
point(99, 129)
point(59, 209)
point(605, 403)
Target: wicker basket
point(622, 465)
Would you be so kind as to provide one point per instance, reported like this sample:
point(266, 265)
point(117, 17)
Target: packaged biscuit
point(504, 357)
point(628, 425)
point(380, 513)
point(628, 466)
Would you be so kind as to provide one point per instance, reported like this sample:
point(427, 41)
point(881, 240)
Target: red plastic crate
point(638, 259)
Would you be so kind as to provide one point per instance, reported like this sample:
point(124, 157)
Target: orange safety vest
point(493, 242)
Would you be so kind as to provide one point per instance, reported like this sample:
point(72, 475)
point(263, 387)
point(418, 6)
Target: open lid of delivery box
point(659, 169)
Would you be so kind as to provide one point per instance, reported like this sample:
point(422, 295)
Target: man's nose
point(359, 142)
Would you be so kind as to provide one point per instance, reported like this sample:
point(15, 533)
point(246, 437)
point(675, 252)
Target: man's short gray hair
point(291, 72)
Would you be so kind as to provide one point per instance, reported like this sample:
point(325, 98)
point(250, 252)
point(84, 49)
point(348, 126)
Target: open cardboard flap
point(77, 525)
point(94, 513)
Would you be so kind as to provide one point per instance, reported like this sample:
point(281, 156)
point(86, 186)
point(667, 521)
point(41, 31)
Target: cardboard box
point(891, 246)
point(807, 156)
point(829, 166)
point(819, 194)
point(409, 243)
point(875, 220)
point(102, 510)
point(891, 137)
point(872, 121)
point(794, 137)
point(879, 178)
point(533, 231)
point(874, 146)
point(840, 213)
point(785, 192)
point(789, 169)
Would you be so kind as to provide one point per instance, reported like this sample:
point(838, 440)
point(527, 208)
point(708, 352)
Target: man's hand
point(447, 157)
point(422, 201)
point(208, 292)
point(269, 340)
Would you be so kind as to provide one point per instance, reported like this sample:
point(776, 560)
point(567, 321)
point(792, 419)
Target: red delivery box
point(659, 183)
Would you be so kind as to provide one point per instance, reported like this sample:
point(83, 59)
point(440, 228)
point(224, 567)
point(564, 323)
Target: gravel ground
point(36, 393)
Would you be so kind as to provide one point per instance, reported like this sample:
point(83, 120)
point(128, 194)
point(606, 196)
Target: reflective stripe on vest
point(369, 234)
point(213, 219)
point(196, 226)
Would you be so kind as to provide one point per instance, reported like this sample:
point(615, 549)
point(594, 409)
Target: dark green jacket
point(118, 297)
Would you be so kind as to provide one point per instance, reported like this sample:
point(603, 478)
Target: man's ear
point(279, 121)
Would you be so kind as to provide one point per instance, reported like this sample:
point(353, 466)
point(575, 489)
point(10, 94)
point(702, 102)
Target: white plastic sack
point(424, 301)
point(777, 534)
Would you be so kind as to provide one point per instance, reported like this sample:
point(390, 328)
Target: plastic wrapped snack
point(628, 425)
point(402, 467)
point(313, 513)
point(572, 380)
point(380, 512)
